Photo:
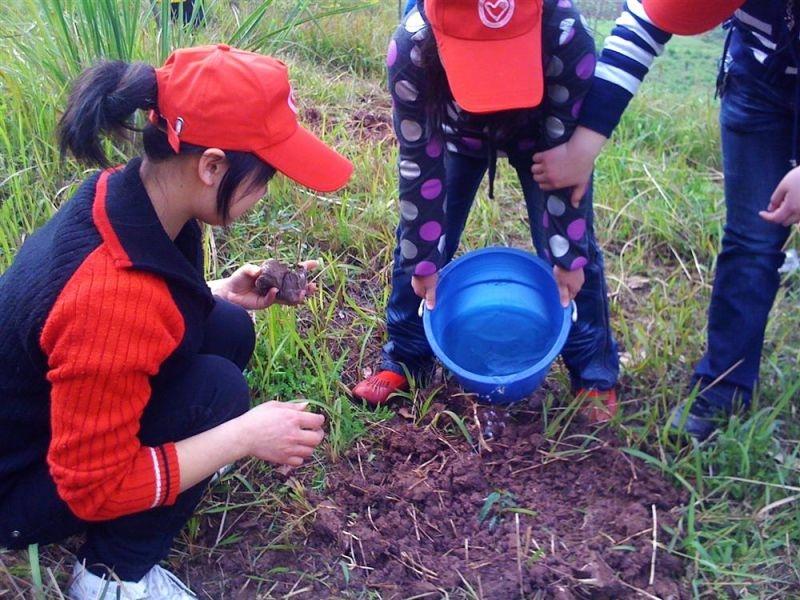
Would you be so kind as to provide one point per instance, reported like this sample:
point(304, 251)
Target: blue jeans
point(207, 390)
point(590, 353)
point(756, 122)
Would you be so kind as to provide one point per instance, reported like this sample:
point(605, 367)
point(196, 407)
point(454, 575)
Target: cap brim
point(310, 162)
point(489, 76)
point(689, 17)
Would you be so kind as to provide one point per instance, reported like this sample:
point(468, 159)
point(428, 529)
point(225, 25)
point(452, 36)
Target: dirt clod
point(291, 282)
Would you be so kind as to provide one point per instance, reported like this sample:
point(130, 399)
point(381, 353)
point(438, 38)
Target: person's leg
point(230, 333)
point(186, 400)
point(590, 353)
point(209, 390)
point(31, 511)
point(407, 345)
point(175, 9)
point(756, 146)
point(191, 13)
point(198, 15)
point(194, 397)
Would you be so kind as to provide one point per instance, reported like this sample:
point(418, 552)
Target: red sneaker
point(598, 406)
point(377, 389)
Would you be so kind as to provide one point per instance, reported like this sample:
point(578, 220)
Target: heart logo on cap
point(495, 13)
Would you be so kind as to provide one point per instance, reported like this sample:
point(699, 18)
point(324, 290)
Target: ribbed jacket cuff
point(171, 476)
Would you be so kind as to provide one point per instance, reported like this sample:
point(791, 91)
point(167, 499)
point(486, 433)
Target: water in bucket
point(497, 341)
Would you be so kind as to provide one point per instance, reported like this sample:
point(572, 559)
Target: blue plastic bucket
point(498, 324)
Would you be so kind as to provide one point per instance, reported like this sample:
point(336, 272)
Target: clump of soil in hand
point(291, 282)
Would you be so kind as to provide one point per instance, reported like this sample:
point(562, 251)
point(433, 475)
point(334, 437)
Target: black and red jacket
point(97, 304)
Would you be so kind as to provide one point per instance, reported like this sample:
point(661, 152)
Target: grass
point(659, 217)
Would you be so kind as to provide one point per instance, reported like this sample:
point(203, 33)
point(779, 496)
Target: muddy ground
point(420, 511)
point(532, 503)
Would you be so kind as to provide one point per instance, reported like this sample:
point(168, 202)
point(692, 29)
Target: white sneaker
point(88, 586)
point(163, 585)
point(157, 584)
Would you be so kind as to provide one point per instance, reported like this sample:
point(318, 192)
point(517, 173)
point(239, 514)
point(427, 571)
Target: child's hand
point(425, 287)
point(282, 433)
point(240, 288)
point(570, 164)
point(569, 283)
point(784, 206)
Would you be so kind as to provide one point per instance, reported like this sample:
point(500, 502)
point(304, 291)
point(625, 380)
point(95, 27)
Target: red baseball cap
point(689, 17)
point(221, 97)
point(491, 51)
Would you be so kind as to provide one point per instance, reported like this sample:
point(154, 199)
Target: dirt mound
point(420, 510)
point(370, 121)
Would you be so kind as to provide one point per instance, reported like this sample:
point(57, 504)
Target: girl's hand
point(570, 164)
point(282, 433)
point(569, 283)
point(784, 206)
point(425, 287)
point(240, 287)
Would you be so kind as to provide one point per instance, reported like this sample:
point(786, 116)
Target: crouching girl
point(121, 372)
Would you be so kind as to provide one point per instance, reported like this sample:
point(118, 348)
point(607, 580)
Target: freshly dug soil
point(418, 511)
point(291, 282)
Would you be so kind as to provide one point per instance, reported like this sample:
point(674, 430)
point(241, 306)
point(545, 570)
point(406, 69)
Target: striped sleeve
point(624, 62)
point(107, 334)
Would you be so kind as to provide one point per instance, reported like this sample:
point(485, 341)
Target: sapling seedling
point(497, 503)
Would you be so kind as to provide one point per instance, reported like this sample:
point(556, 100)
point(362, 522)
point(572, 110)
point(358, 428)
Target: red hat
point(491, 51)
point(221, 97)
point(689, 17)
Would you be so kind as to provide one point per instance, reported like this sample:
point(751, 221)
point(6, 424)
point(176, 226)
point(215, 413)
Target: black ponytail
point(102, 100)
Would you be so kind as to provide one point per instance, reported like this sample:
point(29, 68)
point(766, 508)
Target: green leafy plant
point(499, 503)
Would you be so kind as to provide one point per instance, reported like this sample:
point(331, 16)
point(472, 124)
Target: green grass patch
point(659, 217)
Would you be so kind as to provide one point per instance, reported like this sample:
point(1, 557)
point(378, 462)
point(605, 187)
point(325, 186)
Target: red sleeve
point(106, 336)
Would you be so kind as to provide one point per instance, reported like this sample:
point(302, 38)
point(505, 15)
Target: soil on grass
point(419, 510)
point(370, 120)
